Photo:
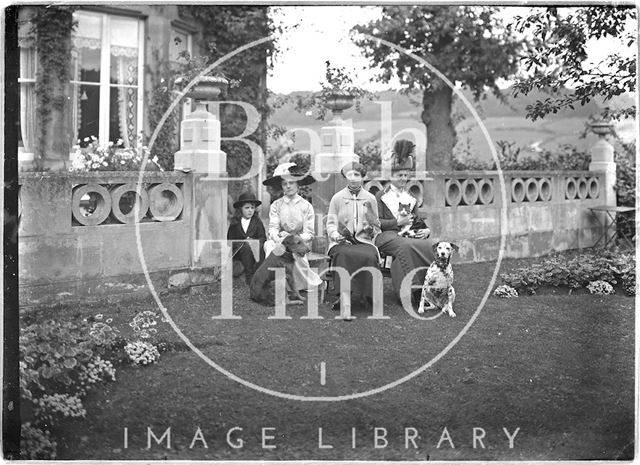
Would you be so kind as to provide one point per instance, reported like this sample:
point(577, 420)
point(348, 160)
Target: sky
point(319, 33)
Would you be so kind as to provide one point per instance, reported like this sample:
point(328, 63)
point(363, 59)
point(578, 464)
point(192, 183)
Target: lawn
point(556, 368)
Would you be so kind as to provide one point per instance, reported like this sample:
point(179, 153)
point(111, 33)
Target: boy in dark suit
point(246, 225)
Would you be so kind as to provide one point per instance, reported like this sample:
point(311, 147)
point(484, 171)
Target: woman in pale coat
point(352, 225)
point(291, 214)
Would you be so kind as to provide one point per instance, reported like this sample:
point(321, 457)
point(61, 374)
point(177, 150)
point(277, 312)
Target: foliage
point(224, 29)
point(50, 406)
point(92, 156)
point(565, 157)
point(556, 58)
point(573, 272)
point(161, 96)
point(625, 159)
point(143, 324)
point(51, 27)
point(54, 354)
point(505, 292)
point(60, 362)
point(369, 153)
point(338, 82)
point(467, 44)
point(36, 444)
point(600, 287)
point(142, 352)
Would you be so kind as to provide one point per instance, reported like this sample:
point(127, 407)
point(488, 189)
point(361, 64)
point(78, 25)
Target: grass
point(557, 366)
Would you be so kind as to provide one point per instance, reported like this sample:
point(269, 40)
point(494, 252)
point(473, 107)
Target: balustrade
point(117, 199)
point(471, 188)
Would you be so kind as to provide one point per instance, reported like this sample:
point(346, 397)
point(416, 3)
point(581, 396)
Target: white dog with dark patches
point(437, 290)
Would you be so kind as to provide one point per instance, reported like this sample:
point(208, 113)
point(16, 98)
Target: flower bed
point(63, 362)
point(597, 271)
point(90, 155)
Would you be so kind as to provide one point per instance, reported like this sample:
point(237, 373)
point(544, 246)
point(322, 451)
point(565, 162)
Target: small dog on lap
point(437, 290)
point(261, 288)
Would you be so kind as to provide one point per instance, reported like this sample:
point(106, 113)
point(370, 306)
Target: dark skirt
point(352, 257)
point(408, 254)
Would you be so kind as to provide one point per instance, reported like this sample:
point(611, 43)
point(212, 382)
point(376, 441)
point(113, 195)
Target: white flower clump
point(36, 444)
point(600, 287)
point(65, 404)
point(505, 291)
point(142, 353)
point(143, 324)
point(94, 372)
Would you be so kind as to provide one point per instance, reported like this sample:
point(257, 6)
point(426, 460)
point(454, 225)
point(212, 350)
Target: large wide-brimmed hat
point(246, 197)
point(403, 151)
point(289, 172)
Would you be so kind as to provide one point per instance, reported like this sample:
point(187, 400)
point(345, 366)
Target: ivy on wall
point(51, 29)
point(160, 99)
point(224, 29)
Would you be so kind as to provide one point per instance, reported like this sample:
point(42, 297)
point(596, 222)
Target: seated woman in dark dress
point(352, 224)
point(408, 253)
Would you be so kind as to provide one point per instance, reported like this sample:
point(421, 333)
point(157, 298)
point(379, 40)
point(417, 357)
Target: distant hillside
point(403, 107)
point(504, 121)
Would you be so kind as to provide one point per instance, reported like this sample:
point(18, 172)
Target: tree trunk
point(441, 135)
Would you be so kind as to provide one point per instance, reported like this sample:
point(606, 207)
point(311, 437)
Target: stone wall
point(78, 232)
point(546, 211)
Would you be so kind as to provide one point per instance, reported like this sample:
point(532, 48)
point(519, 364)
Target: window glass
point(87, 111)
point(87, 45)
point(124, 51)
point(105, 62)
point(123, 115)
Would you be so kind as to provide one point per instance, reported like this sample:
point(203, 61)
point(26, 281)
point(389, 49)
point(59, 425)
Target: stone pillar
point(200, 153)
point(337, 146)
point(602, 160)
point(336, 150)
point(200, 144)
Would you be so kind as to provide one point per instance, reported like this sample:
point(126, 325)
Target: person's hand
point(283, 234)
point(404, 220)
point(423, 233)
point(337, 237)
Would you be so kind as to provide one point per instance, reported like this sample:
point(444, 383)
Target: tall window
point(107, 76)
point(27, 80)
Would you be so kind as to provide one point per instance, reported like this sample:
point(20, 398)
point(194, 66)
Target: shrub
point(565, 157)
point(51, 407)
point(142, 352)
point(600, 287)
point(59, 363)
point(505, 291)
point(36, 444)
point(572, 272)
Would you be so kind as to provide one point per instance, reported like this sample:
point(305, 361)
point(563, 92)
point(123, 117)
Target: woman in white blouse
point(291, 214)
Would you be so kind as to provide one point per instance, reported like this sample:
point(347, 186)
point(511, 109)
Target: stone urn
point(338, 100)
point(207, 88)
point(601, 127)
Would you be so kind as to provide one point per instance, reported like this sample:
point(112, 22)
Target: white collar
point(245, 223)
point(394, 196)
point(295, 199)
